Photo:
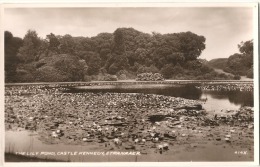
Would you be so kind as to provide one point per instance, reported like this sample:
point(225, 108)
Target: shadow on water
point(188, 91)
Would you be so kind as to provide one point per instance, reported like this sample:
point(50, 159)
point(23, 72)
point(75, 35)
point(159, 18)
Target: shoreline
point(132, 81)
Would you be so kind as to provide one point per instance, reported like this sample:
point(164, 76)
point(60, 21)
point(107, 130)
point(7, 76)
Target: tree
point(140, 55)
point(69, 66)
point(246, 47)
point(31, 44)
point(67, 45)
point(11, 47)
point(119, 42)
point(118, 59)
point(177, 70)
point(241, 63)
point(94, 64)
point(167, 71)
point(191, 45)
point(53, 42)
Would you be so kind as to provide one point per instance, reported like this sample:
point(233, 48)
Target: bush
point(145, 69)
point(149, 77)
point(109, 77)
point(167, 71)
point(122, 77)
point(24, 76)
point(87, 78)
point(49, 74)
point(237, 77)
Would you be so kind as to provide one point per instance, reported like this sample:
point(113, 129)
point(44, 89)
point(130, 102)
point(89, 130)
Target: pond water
point(30, 144)
point(215, 100)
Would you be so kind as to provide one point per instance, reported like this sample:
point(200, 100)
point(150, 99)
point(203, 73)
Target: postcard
point(130, 83)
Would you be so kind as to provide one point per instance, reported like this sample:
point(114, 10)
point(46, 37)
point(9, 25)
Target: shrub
point(49, 74)
point(87, 78)
point(149, 77)
point(237, 77)
point(109, 77)
point(167, 71)
point(122, 77)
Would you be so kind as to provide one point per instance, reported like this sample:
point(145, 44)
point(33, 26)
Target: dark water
point(185, 91)
point(216, 100)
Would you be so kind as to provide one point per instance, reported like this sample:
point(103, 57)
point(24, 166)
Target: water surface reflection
point(215, 100)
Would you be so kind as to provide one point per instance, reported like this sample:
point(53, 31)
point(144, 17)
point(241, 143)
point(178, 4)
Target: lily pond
point(131, 121)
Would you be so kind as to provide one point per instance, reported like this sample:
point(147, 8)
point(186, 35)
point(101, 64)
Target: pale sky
point(224, 28)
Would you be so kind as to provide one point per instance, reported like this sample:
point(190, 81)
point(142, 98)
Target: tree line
point(124, 53)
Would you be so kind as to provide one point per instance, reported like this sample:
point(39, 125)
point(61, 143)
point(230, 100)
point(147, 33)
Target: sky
point(223, 27)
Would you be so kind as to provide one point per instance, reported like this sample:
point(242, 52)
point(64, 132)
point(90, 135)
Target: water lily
point(232, 131)
point(116, 140)
point(156, 139)
point(55, 135)
point(160, 147)
point(166, 146)
point(136, 140)
point(227, 139)
point(228, 136)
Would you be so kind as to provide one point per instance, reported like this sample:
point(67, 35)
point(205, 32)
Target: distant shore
point(134, 81)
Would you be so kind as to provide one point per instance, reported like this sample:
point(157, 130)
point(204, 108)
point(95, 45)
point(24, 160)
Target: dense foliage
point(12, 44)
point(241, 63)
point(122, 54)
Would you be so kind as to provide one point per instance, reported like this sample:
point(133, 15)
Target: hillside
point(219, 63)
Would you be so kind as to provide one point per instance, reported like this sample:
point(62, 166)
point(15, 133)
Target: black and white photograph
point(130, 83)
